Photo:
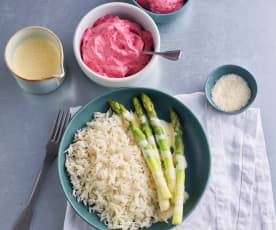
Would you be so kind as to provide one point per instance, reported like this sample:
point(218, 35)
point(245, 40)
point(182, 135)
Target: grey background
point(210, 33)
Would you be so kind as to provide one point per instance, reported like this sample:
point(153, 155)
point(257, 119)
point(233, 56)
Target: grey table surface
point(210, 33)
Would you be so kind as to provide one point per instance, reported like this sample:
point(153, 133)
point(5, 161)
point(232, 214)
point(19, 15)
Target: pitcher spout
point(60, 72)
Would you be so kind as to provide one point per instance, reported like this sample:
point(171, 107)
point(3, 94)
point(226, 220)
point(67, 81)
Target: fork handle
point(38, 181)
point(23, 221)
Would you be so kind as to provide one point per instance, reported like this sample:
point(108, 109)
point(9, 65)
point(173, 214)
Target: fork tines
point(61, 122)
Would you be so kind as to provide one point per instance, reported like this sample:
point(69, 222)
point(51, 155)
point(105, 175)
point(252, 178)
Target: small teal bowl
point(230, 69)
point(196, 148)
point(164, 18)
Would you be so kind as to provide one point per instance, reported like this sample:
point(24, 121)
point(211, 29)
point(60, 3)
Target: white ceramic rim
point(109, 79)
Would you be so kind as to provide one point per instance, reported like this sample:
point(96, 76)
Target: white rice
point(109, 174)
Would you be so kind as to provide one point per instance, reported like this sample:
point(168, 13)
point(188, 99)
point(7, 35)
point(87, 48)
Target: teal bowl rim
point(174, 13)
point(69, 196)
point(252, 97)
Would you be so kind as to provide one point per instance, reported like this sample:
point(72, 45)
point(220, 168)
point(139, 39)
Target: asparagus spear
point(161, 141)
point(145, 127)
point(146, 148)
point(180, 168)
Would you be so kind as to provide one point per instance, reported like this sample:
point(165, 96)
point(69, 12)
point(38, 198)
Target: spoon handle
point(173, 55)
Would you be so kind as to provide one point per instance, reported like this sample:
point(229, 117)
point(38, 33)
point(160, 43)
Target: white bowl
point(124, 10)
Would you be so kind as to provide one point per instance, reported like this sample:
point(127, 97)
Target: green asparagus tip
point(115, 106)
point(175, 120)
point(135, 101)
point(172, 114)
point(144, 96)
point(147, 102)
point(137, 106)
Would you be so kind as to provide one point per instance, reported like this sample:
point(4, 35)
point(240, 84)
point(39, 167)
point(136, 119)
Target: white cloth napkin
point(239, 194)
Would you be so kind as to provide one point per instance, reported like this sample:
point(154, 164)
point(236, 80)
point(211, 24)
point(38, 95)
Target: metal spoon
point(173, 55)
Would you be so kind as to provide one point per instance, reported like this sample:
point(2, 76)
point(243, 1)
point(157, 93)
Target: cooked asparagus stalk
point(159, 133)
point(180, 168)
point(145, 127)
point(146, 148)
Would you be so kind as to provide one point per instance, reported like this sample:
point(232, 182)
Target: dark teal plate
point(196, 147)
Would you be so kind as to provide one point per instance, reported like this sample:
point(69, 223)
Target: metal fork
point(23, 221)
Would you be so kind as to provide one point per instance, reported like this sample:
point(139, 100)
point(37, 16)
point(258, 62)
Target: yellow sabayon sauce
point(35, 58)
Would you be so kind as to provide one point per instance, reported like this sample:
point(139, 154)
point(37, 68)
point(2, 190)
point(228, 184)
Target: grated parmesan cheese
point(230, 92)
